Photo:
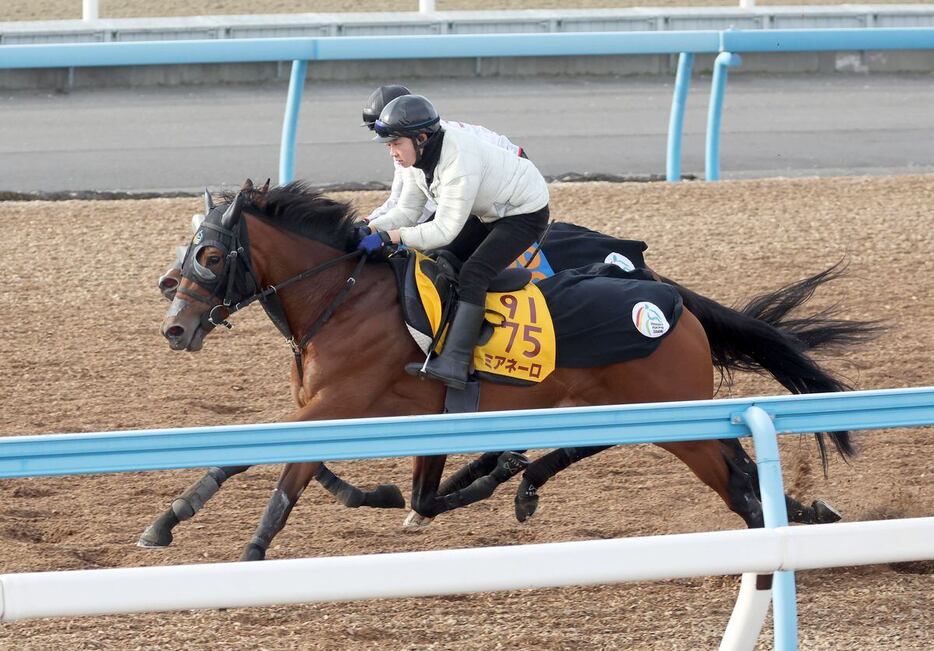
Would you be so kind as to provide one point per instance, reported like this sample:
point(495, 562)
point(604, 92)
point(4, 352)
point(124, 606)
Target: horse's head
point(209, 275)
point(215, 274)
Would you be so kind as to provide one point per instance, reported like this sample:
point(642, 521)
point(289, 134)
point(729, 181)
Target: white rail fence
point(458, 571)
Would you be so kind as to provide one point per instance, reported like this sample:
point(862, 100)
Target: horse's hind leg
point(184, 507)
point(743, 488)
point(543, 469)
point(820, 512)
point(384, 496)
point(471, 472)
point(427, 502)
point(292, 483)
point(464, 477)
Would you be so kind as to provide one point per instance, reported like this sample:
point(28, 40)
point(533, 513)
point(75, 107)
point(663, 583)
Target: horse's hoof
point(253, 552)
point(388, 496)
point(155, 537)
point(414, 522)
point(824, 513)
point(526, 501)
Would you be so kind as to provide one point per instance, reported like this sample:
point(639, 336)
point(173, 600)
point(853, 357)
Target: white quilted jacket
point(472, 177)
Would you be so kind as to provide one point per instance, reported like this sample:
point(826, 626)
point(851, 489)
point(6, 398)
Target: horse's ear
point(247, 186)
point(265, 187)
point(232, 214)
point(208, 202)
point(196, 221)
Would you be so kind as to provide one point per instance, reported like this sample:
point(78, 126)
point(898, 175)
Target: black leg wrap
point(385, 496)
point(743, 499)
point(470, 473)
point(541, 470)
point(274, 517)
point(478, 490)
point(345, 493)
point(743, 462)
point(192, 500)
point(159, 533)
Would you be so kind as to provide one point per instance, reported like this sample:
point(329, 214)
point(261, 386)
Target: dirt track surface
point(81, 351)
point(71, 9)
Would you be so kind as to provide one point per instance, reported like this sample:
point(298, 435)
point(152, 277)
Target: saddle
point(517, 340)
point(602, 306)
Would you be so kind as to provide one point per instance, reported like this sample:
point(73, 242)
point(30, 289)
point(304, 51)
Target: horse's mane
point(303, 210)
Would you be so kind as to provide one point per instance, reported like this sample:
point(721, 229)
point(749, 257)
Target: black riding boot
point(453, 364)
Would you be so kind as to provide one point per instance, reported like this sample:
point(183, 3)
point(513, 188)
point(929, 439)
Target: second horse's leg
point(543, 469)
point(384, 496)
point(184, 507)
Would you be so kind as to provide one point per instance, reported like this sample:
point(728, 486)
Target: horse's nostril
point(168, 283)
point(175, 332)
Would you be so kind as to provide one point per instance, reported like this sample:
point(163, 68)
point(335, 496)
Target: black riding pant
point(487, 249)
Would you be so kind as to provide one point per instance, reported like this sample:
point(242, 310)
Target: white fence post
point(89, 10)
point(426, 6)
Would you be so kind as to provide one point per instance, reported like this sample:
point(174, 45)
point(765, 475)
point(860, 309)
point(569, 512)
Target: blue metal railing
point(303, 50)
point(763, 418)
point(234, 445)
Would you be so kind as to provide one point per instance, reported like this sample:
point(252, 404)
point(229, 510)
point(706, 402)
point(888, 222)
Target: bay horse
point(280, 237)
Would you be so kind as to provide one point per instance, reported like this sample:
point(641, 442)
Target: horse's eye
point(213, 260)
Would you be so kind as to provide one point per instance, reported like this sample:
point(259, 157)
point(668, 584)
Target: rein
point(272, 305)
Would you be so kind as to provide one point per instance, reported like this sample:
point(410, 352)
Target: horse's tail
point(765, 336)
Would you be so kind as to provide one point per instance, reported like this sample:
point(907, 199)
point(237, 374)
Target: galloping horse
point(281, 237)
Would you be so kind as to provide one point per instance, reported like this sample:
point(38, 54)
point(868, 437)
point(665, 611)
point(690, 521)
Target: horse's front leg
point(292, 483)
point(184, 507)
point(426, 478)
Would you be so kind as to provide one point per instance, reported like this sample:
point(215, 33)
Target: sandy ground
point(71, 9)
point(81, 352)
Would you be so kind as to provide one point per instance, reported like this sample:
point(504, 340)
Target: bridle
point(241, 285)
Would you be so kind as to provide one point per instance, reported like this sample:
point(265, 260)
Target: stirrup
point(419, 371)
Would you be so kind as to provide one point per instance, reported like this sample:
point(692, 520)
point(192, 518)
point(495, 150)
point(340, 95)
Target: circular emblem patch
point(620, 261)
point(198, 237)
point(649, 319)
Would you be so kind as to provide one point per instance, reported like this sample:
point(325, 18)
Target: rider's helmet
point(377, 100)
point(407, 116)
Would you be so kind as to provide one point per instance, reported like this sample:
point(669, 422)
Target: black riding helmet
point(378, 99)
point(406, 117)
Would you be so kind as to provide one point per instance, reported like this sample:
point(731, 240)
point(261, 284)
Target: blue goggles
point(383, 130)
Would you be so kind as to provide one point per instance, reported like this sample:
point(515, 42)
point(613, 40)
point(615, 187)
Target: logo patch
point(198, 237)
point(649, 319)
point(620, 261)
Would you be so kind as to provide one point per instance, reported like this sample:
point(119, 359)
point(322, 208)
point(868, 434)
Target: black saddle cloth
point(569, 246)
point(594, 312)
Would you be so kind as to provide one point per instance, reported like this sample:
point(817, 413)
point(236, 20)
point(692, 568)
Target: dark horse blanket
point(605, 307)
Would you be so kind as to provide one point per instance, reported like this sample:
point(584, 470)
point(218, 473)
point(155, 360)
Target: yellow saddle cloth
point(518, 341)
